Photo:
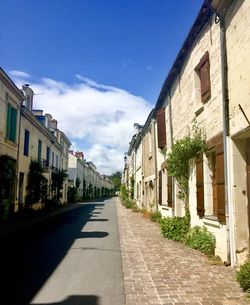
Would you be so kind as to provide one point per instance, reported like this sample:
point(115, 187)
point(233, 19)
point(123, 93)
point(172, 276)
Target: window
point(203, 71)
point(56, 161)
point(200, 186)
point(47, 156)
point(161, 128)
point(39, 150)
point(170, 191)
point(11, 123)
point(26, 142)
point(150, 143)
point(53, 157)
point(218, 183)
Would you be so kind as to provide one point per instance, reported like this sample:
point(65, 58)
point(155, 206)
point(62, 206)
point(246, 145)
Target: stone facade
point(209, 76)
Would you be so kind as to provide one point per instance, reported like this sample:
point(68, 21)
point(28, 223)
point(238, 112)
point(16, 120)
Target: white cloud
point(19, 74)
point(93, 115)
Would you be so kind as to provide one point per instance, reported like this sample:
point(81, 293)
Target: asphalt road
point(72, 259)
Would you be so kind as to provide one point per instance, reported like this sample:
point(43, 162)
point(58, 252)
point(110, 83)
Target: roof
point(201, 20)
point(11, 85)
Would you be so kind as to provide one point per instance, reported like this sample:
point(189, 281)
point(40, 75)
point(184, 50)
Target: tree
point(58, 179)
point(116, 180)
point(37, 184)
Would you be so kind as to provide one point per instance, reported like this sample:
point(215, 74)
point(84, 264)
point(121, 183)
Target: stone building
point(208, 86)
point(42, 141)
point(11, 99)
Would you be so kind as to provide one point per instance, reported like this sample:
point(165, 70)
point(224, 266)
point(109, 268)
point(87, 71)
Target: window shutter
point(204, 73)
point(220, 186)
point(200, 187)
point(170, 191)
point(161, 128)
point(8, 128)
point(13, 124)
point(39, 150)
point(26, 142)
point(160, 187)
point(48, 156)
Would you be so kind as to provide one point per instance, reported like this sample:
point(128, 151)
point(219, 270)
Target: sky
point(96, 65)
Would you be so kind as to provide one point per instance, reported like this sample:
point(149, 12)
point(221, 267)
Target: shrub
point(155, 216)
point(243, 276)
point(123, 193)
point(128, 203)
point(174, 228)
point(200, 239)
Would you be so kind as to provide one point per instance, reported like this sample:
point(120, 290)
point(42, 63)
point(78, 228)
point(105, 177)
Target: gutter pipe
point(231, 257)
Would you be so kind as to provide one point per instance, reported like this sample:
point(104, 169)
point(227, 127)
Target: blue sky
point(126, 47)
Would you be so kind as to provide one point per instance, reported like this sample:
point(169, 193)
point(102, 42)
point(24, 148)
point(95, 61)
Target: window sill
point(14, 144)
point(212, 221)
point(199, 110)
point(166, 207)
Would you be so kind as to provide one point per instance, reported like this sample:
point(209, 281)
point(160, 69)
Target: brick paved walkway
point(160, 271)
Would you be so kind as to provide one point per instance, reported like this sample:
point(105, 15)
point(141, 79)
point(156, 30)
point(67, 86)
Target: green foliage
point(78, 182)
point(175, 228)
point(200, 239)
point(116, 180)
point(37, 184)
point(128, 203)
point(132, 187)
point(243, 276)
point(7, 185)
point(58, 179)
point(178, 159)
point(123, 192)
point(155, 216)
point(72, 194)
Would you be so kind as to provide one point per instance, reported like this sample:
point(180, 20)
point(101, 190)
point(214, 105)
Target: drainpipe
point(156, 169)
point(135, 184)
point(18, 160)
point(231, 258)
point(171, 143)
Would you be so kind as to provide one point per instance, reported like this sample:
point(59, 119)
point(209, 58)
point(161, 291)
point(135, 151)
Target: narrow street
point(72, 259)
point(100, 253)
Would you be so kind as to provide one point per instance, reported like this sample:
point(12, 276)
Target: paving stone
point(159, 271)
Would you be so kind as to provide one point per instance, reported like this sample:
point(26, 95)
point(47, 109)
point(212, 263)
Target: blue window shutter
point(39, 150)
point(26, 142)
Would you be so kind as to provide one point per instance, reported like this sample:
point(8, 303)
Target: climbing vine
point(183, 150)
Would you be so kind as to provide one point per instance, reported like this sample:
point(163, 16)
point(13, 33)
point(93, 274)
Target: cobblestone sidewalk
point(160, 271)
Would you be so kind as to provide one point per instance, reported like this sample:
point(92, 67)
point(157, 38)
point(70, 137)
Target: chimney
point(28, 93)
point(53, 124)
point(48, 118)
point(80, 155)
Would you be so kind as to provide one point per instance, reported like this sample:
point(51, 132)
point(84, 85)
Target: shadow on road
point(75, 300)
point(28, 259)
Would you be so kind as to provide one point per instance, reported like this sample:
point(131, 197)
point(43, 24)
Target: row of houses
point(209, 84)
point(34, 153)
point(84, 175)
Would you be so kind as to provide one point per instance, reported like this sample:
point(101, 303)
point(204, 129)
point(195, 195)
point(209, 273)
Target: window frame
point(11, 123)
point(203, 72)
point(26, 142)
